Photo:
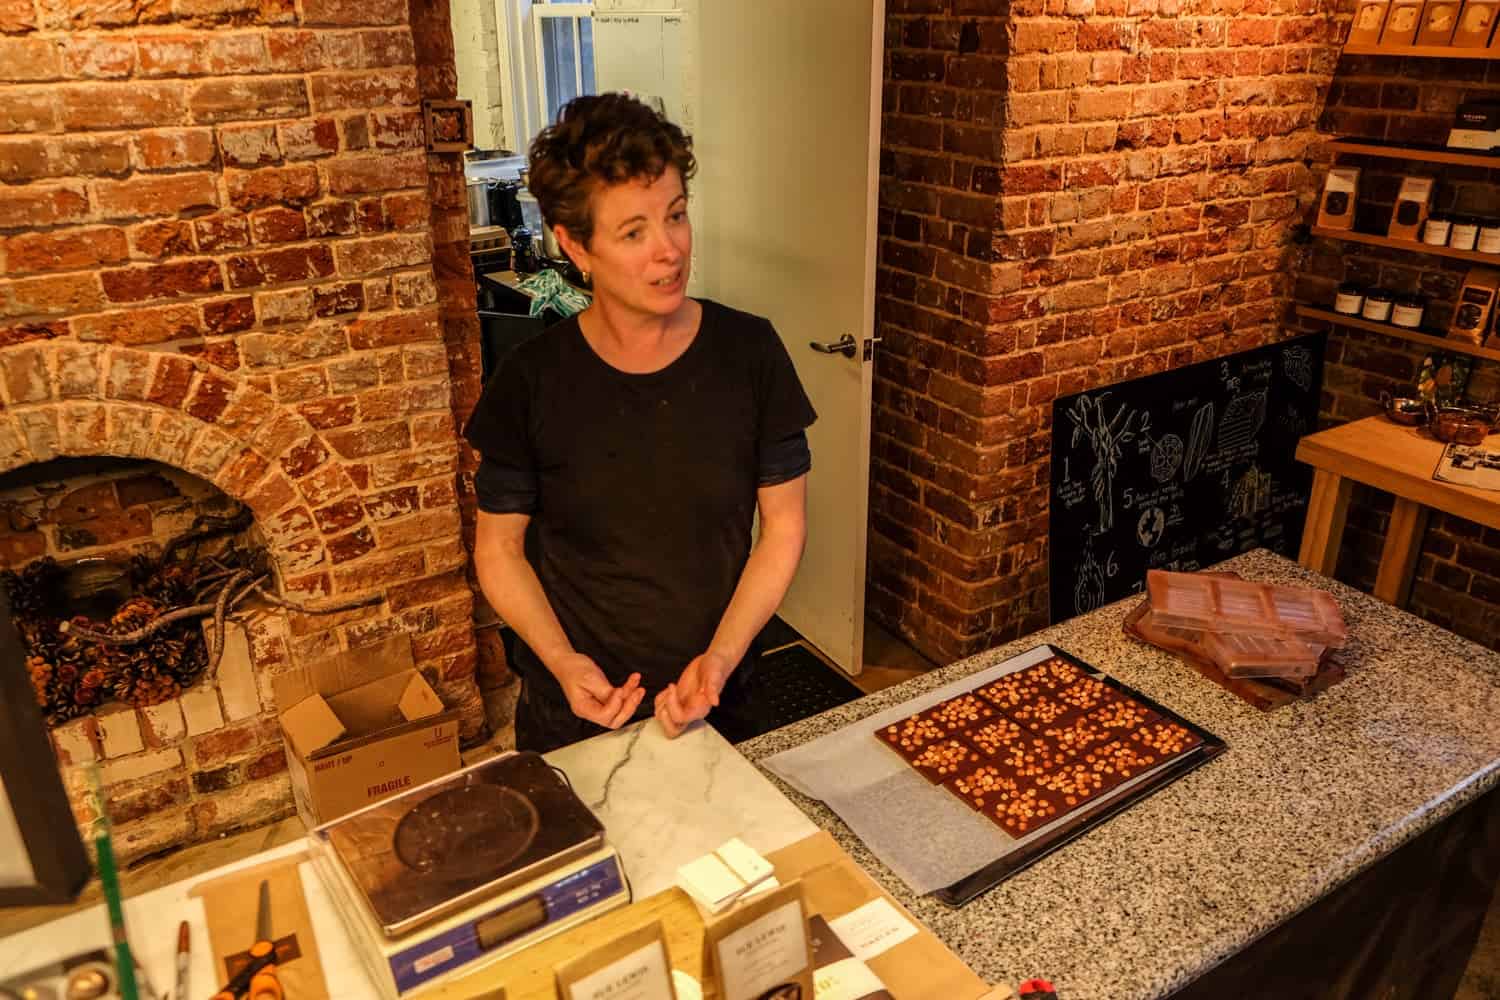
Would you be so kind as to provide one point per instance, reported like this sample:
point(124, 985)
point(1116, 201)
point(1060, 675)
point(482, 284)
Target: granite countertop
point(1305, 798)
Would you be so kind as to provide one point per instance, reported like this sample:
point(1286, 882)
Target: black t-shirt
point(641, 488)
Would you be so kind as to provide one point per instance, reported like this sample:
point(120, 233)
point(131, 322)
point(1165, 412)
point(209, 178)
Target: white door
point(787, 138)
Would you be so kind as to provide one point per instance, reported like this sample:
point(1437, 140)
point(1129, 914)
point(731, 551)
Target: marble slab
point(1305, 798)
point(665, 802)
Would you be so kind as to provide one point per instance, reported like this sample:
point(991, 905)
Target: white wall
point(476, 45)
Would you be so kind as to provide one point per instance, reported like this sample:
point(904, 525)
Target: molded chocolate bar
point(1018, 807)
point(1079, 734)
point(909, 735)
point(1088, 694)
point(1043, 711)
point(1054, 674)
point(1122, 715)
point(1120, 761)
point(1031, 757)
point(1005, 693)
point(1166, 738)
point(995, 736)
point(958, 713)
point(1073, 784)
point(942, 760)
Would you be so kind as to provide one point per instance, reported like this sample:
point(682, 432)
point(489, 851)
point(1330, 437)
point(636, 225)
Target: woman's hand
point(590, 694)
point(693, 694)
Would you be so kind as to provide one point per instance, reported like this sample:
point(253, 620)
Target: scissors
point(257, 980)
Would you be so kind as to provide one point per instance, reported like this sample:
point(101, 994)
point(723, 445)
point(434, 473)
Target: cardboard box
point(1439, 18)
point(1475, 24)
point(1368, 20)
point(360, 727)
point(1401, 24)
point(1411, 208)
point(1340, 191)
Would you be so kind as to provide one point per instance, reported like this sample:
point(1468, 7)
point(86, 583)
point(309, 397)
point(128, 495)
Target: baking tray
point(1044, 841)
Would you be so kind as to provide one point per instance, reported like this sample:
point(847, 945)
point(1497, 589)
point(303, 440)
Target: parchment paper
point(921, 831)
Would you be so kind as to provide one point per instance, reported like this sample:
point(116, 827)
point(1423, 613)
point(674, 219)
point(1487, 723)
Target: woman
point(627, 449)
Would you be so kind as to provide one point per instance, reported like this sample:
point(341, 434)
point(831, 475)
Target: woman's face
point(642, 245)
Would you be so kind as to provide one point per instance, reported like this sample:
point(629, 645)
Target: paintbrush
point(109, 879)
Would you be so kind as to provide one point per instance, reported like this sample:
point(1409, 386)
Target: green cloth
point(548, 290)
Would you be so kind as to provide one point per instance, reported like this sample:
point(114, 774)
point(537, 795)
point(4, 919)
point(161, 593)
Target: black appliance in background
point(505, 204)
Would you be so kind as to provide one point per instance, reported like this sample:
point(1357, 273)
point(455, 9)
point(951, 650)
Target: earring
point(588, 277)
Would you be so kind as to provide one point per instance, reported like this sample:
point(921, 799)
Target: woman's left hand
point(694, 693)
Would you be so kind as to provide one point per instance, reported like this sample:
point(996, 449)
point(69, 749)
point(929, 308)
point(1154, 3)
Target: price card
point(633, 966)
point(759, 949)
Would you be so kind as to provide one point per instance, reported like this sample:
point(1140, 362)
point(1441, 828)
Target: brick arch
point(62, 398)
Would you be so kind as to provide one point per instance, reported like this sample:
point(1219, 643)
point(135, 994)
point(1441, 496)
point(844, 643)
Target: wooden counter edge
point(827, 872)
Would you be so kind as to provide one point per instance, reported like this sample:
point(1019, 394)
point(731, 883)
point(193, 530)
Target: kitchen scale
point(466, 869)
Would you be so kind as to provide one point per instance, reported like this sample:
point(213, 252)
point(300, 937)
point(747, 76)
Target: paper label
point(849, 979)
point(873, 928)
point(1340, 179)
point(764, 954)
point(641, 975)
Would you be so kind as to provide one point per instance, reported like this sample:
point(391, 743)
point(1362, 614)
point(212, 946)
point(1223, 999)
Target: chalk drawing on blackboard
point(1251, 494)
point(1166, 457)
point(1297, 363)
point(1292, 422)
point(1150, 526)
point(1243, 417)
point(1088, 589)
point(1106, 435)
point(1199, 436)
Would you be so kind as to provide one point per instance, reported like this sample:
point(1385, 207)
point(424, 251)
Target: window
point(547, 52)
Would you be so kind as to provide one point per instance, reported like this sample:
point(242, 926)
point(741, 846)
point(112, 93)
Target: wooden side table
point(1399, 460)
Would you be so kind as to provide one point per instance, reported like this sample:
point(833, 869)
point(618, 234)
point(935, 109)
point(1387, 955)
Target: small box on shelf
point(1402, 24)
point(1439, 18)
point(1411, 208)
point(1340, 190)
point(1476, 304)
point(1476, 125)
point(1475, 24)
point(1368, 20)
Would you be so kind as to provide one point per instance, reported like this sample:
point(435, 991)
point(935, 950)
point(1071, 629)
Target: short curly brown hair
point(604, 139)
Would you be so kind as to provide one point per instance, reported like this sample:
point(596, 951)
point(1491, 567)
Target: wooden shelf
point(1410, 246)
point(1426, 51)
point(1400, 332)
point(1421, 154)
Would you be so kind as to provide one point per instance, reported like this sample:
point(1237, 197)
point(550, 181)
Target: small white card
point(873, 928)
point(744, 861)
point(710, 881)
point(767, 952)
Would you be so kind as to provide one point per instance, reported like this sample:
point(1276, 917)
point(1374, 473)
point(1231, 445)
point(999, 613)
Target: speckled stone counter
point(1305, 798)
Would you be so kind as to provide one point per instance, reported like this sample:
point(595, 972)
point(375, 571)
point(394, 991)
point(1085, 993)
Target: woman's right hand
point(590, 694)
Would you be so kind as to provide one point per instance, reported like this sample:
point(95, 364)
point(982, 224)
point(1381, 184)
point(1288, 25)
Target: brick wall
point(225, 249)
point(1406, 100)
point(1073, 192)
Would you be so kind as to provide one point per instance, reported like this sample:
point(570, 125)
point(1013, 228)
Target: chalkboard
point(1180, 470)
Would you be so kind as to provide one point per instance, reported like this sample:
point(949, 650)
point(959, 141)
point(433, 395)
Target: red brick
point(50, 295)
point(304, 458)
point(393, 47)
point(175, 148)
point(344, 548)
point(371, 88)
point(383, 172)
point(362, 442)
point(29, 109)
point(63, 250)
point(278, 225)
point(330, 218)
point(229, 315)
point(354, 12)
point(332, 300)
point(222, 232)
point(122, 105)
point(272, 185)
point(162, 239)
point(108, 529)
point(304, 140)
point(397, 130)
point(249, 146)
point(17, 16)
point(164, 195)
point(201, 54)
point(361, 257)
point(247, 99)
point(379, 572)
point(277, 266)
point(98, 57)
point(42, 205)
point(137, 284)
point(169, 385)
point(25, 59)
point(140, 326)
point(210, 397)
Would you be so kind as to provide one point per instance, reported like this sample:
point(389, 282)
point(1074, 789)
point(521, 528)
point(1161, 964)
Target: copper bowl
point(1408, 411)
point(1461, 425)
